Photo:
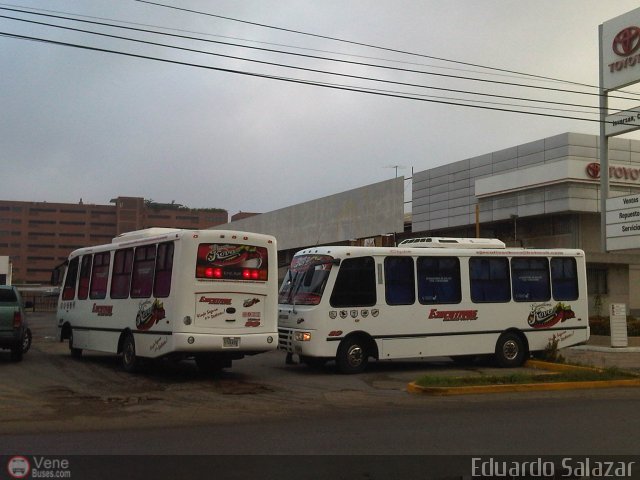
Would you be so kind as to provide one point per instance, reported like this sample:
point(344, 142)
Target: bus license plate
point(230, 342)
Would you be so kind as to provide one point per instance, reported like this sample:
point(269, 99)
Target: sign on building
point(620, 50)
point(623, 222)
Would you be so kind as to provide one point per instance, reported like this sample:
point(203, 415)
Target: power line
point(405, 52)
point(362, 64)
point(280, 65)
point(32, 10)
point(304, 69)
point(286, 79)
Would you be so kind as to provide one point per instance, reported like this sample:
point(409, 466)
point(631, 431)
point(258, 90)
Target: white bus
point(207, 294)
point(463, 298)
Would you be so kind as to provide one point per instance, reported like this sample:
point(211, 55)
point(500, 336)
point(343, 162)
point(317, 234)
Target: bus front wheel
point(510, 350)
point(352, 356)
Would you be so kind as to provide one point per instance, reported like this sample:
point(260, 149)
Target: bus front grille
point(285, 336)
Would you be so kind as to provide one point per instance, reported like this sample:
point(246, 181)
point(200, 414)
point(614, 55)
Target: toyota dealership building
point(544, 193)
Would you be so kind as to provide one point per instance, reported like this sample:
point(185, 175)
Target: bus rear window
point(225, 261)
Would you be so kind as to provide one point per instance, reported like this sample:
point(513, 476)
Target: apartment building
point(37, 236)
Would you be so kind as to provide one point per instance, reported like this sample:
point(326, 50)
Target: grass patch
point(582, 375)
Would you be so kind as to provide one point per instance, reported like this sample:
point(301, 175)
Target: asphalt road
point(57, 405)
point(603, 424)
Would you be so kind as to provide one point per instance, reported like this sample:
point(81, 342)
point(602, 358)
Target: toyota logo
point(627, 41)
point(593, 170)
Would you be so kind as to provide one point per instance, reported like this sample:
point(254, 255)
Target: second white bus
point(206, 294)
point(462, 298)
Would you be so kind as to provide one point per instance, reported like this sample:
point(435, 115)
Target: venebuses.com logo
point(19, 466)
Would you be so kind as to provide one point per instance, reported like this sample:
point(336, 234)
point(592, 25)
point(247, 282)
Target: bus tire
point(510, 350)
point(75, 352)
point(352, 356)
point(130, 361)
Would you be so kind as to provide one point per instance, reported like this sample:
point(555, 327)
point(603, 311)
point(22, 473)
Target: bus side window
point(439, 280)
point(121, 277)
point(69, 290)
point(564, 278)
point(85, 276)
point(164, 267)
point(530, 278)
point(489, 279)
point(399, 281)
point(356, 283)
point(144, 263)
point(100, 275)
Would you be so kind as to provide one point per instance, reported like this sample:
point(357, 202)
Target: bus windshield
point(305, 280)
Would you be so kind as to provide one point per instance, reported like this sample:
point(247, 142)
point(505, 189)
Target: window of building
point(399, 281)
point(439, 280)
point(100, 275)
point(121, 277)
point(85, 276)
point(530, 279)
point(597, 281)
point(143, 271)
point(564, 278)
point(356, 284)
point(69, 290)
point(489, 278)
point(164, 267)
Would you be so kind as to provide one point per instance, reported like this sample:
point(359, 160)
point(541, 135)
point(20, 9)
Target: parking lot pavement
point(51, 391)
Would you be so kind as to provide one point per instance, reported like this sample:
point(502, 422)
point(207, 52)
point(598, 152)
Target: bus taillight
point(254, 274)
point(213, 272)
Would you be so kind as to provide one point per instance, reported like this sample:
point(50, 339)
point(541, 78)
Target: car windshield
point(305, 280)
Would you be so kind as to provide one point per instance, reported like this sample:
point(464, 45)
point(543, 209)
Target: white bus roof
point(340, 251)
point(147, 232)
point(444, 242)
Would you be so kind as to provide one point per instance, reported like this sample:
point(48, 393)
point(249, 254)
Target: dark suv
point(14, 330)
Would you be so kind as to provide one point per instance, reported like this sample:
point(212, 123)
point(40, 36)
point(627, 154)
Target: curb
point(527, 387)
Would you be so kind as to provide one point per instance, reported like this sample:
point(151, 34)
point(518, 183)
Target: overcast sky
point(91, 125)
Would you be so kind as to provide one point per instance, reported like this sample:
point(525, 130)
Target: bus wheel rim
point(510, 349)
point(355, 355)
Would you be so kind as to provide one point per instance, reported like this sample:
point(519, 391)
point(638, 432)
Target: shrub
point(601, 326)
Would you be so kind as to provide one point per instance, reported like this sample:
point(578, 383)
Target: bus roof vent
point(443, 242)
point(147, 232)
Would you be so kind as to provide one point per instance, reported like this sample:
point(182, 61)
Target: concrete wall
point(364, 212)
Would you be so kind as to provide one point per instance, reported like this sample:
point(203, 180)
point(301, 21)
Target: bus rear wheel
point(130, 361)
point(75, 352)
point(510, 350)
point(352, 356)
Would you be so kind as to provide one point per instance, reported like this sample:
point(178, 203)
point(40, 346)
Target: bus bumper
point(202, 342)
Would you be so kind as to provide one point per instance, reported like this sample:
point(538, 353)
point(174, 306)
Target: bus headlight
point(302, 336)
